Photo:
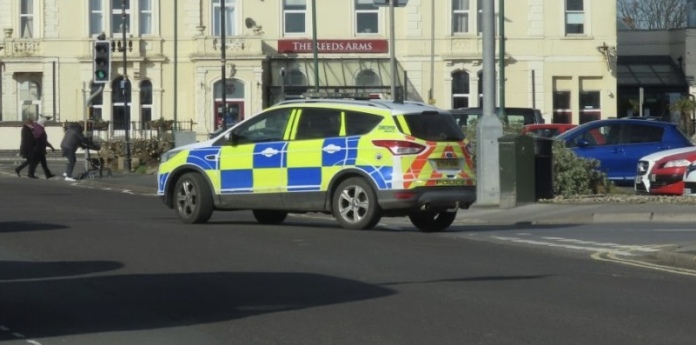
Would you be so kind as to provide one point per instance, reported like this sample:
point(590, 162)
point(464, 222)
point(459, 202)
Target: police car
point(357, 160)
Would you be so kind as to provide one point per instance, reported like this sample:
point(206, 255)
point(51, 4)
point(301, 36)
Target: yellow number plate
point(447, 163)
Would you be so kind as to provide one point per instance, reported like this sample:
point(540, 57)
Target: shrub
point(572, 175)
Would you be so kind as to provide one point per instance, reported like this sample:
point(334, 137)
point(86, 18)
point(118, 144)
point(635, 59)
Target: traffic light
point(101, 61)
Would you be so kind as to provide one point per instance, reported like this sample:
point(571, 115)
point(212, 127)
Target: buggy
point(94, 166)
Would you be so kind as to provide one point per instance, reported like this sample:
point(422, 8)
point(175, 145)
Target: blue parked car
point(618, 144)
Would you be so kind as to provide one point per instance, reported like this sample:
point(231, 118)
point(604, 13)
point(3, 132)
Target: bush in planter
point(572, 175)
point(147, 151)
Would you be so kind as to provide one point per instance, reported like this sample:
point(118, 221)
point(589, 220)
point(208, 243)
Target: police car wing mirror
point(232, 137)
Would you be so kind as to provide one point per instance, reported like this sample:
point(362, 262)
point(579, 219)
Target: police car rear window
point(434, 126)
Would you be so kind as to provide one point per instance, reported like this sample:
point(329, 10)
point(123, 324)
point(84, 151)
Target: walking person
point(72, 140)
point(27, 147)
point(40, 149)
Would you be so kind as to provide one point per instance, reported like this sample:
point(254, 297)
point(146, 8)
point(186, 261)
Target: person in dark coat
point(40, 149)
point(72, 140)
point(27, 147)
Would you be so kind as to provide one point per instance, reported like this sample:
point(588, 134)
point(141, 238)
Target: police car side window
point(360, 123)
point(317, 123)
point(269, 126)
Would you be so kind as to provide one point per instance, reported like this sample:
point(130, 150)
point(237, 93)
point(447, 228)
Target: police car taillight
point(400, 147)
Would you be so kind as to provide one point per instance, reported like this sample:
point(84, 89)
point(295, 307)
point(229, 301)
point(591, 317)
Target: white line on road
point(565, 246)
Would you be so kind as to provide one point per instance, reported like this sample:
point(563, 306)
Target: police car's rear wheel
point(194, 201)
point(270, 217)
point(355, 205)
point(432, 221)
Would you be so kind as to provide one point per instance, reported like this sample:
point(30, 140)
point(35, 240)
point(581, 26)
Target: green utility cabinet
point(517, 181)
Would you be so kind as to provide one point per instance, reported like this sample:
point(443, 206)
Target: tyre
point(354, 205)
point(193, 199)
point(270, 217)
point(432, 221)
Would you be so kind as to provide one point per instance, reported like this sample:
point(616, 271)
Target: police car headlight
point(677, 163)
point(167, 155)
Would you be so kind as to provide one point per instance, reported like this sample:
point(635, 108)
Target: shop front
point(344, 69)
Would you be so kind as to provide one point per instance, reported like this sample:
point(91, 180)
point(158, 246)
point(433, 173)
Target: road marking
point(18, 335)
point(565, 246)
point(648, 249)
point(609, 257)
point(674, 230)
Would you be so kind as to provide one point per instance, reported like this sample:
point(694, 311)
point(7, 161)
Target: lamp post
point(314, 46)
point(223, 60)
point(124, 89)
point(501, 58)
point(392, 53)
point(489, 128)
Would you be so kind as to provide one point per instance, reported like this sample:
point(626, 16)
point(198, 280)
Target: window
point(460, 89)
point(644, 134)
point(589, 106)
point(145, 17)
point(96, 17)
point(575, 17)
point(479, 16)
point(460, 16)
point(296, 78)
point(561, 107)
point(26, 19)
point(360, 123)
point(433, 127)
point(230, 23)
point(366, 17)
point(120, 16)
point(145, 103)
point(30, 98)
point(317, 123)
point(120, 102)
point(294, 16)
point(367, 77)
point(265, 127)
point(234, 89)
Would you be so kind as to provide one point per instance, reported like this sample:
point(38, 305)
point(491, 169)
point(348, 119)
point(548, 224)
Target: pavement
point(610, 209)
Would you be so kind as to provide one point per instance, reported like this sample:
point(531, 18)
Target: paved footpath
point(600, 210)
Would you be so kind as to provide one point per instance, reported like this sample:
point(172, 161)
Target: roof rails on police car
point(336, 101)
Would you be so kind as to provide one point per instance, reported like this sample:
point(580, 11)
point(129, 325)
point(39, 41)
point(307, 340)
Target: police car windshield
point(434, 126)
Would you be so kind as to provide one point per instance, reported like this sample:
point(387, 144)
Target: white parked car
point(690, 180)
point(662, 172)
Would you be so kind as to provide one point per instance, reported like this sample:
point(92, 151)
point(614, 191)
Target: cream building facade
point(560, 57)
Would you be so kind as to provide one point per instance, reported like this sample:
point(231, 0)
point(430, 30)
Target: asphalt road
point(88, 266)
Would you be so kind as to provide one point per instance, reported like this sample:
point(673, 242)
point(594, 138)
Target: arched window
point(480, 88)
point(145, 102)
point(234, 89)
point(367, 77)
point(460, 89)
point(120, 102)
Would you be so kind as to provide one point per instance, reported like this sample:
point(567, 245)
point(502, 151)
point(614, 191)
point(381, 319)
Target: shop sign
point(333, 46)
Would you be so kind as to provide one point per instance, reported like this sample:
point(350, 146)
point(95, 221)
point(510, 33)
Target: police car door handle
point(211, 158)
point(331, 148)
point(269, 152)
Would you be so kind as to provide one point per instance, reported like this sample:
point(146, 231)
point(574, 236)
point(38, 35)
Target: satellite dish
point(250, 23)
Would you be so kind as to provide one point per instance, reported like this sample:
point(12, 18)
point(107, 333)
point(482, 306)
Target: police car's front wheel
point(194, 200)
point(355, 205)
point(432, 221)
